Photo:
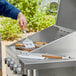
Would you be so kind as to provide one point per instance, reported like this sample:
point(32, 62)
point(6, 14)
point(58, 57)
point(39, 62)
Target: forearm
point(8, 10)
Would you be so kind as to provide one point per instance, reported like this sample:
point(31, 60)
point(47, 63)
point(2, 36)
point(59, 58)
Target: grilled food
point(40, 43)
point(21, 46)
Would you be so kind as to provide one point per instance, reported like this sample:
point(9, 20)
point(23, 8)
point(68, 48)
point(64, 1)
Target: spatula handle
point(55, 57)
point(25, 33)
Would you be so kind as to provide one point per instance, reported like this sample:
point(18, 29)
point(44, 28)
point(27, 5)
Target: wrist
point(20, 15)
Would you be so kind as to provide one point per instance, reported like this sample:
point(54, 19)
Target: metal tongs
point(44, 56)
point(28, 42)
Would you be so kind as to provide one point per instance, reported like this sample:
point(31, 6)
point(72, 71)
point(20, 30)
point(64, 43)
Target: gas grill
point(61, 39)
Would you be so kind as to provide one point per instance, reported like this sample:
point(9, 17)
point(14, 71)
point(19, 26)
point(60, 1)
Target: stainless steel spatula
point(28, 42)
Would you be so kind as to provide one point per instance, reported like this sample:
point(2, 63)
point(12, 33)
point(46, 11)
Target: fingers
point(22, 21)
point(25, 24)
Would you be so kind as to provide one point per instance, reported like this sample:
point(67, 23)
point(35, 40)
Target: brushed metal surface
point(65, 46)
point(67, 14)
point(61, 39)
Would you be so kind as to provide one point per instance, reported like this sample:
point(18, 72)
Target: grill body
point(61, 39)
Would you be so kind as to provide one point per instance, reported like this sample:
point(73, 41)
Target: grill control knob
point(11, 65)
point(15, 68)
point(19, 70)
point(7, 61)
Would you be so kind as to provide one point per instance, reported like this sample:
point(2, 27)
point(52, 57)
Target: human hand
point(22, 21)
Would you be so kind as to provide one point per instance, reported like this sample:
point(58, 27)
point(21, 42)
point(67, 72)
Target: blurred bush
point(51, 8)
point(9, 29)
point(36, 19)
point(41, 21)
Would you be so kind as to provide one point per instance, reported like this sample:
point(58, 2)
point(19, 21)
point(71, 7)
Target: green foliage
point(28, 7)
point(9, 29)
point(51, 8)
point(36, 19)
point(54, 6)
point(41, 21)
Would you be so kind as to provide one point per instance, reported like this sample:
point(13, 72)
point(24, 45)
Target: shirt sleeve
point(8, 10)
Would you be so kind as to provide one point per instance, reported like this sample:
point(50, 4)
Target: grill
point(61, 39)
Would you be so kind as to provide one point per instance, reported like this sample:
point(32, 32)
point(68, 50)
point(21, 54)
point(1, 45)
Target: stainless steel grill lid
point(67, 14)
